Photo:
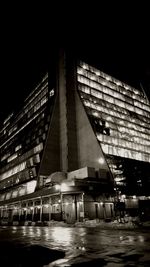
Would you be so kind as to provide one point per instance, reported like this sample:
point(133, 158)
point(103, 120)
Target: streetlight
point(101, 161)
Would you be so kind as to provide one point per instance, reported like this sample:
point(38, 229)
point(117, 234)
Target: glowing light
point(64, 187)
point(31, 186)
point(134, 197)
point(103, 83)
point(57, 187)
point(61, 261)
point(97, 73)
point(109, 118)
point(95, 114)
point(101, 203)
point(101, 160)
point(84, 66)
point(92, 78)
point(118, 83)
point(80, 71)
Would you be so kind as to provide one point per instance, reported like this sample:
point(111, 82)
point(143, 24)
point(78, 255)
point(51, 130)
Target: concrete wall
point(71, 142)
point(51, 155)
point(89, 150)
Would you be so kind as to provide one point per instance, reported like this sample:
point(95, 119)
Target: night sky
point(117, 44)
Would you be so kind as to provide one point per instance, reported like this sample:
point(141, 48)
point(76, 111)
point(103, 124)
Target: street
point(82, 247)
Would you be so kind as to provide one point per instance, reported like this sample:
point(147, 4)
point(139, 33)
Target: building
point(79, 146)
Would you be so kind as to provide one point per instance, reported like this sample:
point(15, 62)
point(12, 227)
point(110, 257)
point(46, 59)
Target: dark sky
point(116, 42)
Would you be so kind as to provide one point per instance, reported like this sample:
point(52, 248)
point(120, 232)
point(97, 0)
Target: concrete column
point(32, 213)
point(41, 208)
point(67, 107)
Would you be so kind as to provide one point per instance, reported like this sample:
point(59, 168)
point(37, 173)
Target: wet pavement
point(70, 246)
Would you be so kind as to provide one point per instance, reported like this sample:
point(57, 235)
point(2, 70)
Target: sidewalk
point(115, 225)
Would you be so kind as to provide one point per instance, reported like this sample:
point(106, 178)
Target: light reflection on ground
point(86, 246)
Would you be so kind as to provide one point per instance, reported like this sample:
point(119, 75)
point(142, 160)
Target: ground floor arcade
point(60, 207)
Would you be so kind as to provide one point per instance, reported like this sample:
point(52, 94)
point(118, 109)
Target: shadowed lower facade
point(78, 149)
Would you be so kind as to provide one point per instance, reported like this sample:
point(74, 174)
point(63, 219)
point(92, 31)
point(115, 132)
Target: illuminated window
point(18, 147)
point(51, 93)
point(31, 187)
point(5, 156)
point(12, 157)
point(8, 195)
point(14, 170)
point(22, 190)
point(15, 193)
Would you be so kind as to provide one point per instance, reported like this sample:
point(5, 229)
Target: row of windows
point(19, 130)
point(31, 104)
point(120, 129)
point(38, 101)
point(123, 143)
point(116, 111)
point(13, 156)
point(13, 171)
point(113, 107)
point(34, 135)
point(102, 87)
point(124, 152)
point(24, 189)
point(8, 148)
point(20, 167)
point(116, 118)
point(35, 92)
point(14, 145)
point(43, 90)
point(113, 83)
point(21, 177)
point(111, 99)
point(129, 134)
point(8, 118)
point(27, 155)
point(30, 114)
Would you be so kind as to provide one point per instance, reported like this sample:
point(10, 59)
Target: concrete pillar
point(67, 107)
point(41, 207)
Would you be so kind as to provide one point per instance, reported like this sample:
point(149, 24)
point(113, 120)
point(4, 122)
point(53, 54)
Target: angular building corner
point(79, 149)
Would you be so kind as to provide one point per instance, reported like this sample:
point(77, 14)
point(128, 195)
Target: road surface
point(79, 247)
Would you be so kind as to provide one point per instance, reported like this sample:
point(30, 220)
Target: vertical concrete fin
point(51, 155)
point(89, 150)
point(62, 102)
point(67, 106)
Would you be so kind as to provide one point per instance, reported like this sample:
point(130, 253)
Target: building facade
point(78, 147)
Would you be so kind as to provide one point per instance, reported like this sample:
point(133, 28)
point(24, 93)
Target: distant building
point(79, 146)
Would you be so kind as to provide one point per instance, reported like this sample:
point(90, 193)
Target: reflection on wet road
point(86, 246)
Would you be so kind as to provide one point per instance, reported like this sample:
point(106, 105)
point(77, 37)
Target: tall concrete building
point(79, 146)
